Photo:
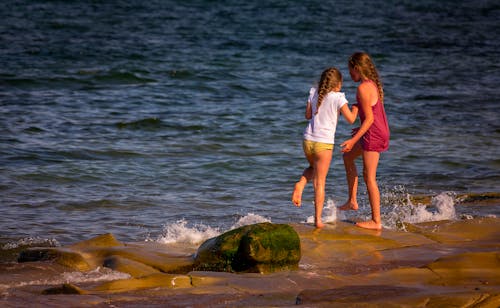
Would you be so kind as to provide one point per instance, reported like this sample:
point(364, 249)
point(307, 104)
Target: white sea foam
point(249, 219)
point(331, 213)
point(395, 211)
point(31, 241)
point(99, 274)
point(442, 207)
point(443, 203)
point(181, 232)
point(96, 275)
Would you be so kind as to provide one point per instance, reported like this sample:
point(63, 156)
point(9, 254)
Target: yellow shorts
point(313, 147)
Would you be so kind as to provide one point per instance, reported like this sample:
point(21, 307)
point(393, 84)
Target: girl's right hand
point(347, 145)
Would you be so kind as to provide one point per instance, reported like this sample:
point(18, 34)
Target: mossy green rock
point(263, 247)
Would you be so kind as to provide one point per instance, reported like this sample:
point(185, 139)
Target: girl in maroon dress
point(369, 140)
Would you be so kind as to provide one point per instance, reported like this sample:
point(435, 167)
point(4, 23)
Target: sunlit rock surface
point(432, 264)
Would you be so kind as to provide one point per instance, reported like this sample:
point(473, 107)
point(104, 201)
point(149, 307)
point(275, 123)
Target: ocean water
point(177, 120)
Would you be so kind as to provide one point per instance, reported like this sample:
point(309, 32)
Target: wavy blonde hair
point(364, 64)
point(330, 79)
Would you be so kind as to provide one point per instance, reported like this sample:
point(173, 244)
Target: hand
point(347, 145)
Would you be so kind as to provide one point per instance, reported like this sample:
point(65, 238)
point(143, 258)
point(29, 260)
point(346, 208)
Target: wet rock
point(66, 288)
point(75, 256)
point(131, 267)
point(104, 240)
point(352, 294)
point(262, 247)
point(152, 281)
point(66, 257)
point(139, 259)
point(468, 267)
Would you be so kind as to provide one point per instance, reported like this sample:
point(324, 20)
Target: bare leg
point(352, 177)
point(307, 176)
point(370, 163)
point(321, 166)
point(300, 185)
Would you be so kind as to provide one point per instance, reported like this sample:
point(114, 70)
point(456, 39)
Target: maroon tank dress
point(377, 137)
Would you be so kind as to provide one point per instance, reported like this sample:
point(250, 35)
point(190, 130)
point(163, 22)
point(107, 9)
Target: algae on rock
point(262, 247)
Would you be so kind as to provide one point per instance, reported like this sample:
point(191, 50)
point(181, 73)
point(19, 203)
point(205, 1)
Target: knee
point(369, 179)
point(370, 182)
point(319, 184)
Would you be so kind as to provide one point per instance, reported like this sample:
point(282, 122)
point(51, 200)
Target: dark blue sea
point(161, 120)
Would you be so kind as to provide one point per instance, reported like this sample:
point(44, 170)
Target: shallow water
point(135, 118)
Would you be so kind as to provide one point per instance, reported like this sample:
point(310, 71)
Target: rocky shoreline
point(431, 264)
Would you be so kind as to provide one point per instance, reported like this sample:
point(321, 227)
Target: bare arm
point(308, 111)
point(365, 104)
point(349, 114)
point(366, 96)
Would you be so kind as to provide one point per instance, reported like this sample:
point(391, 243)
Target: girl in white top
point(322, 110)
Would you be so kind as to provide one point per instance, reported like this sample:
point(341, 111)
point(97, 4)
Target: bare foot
point(349, 206)
point(319, 224)
point(297, 194)
point(372, 225)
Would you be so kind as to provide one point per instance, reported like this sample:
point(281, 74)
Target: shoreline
point(434, 263)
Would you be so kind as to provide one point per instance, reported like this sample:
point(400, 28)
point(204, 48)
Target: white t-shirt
point(322, 126)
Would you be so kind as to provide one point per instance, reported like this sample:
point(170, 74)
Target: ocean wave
point(147, 123)
point(91, 154)
point(62, 156)
point(99, 274)
point(119, 77)
point(81, 78)
point(31, 242)
point(154, 123)
point(42, 81)
point(444, 205)
point(181, 233)
point(397, 209)
point(330, 213)
point(440, 207)
point(9, 251)
point(91, 205)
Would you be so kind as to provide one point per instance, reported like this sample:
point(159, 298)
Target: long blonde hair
point(364, 64)
point(330, 78)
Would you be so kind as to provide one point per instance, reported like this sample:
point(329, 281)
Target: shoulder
point(338, 97)
point(368, 86)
